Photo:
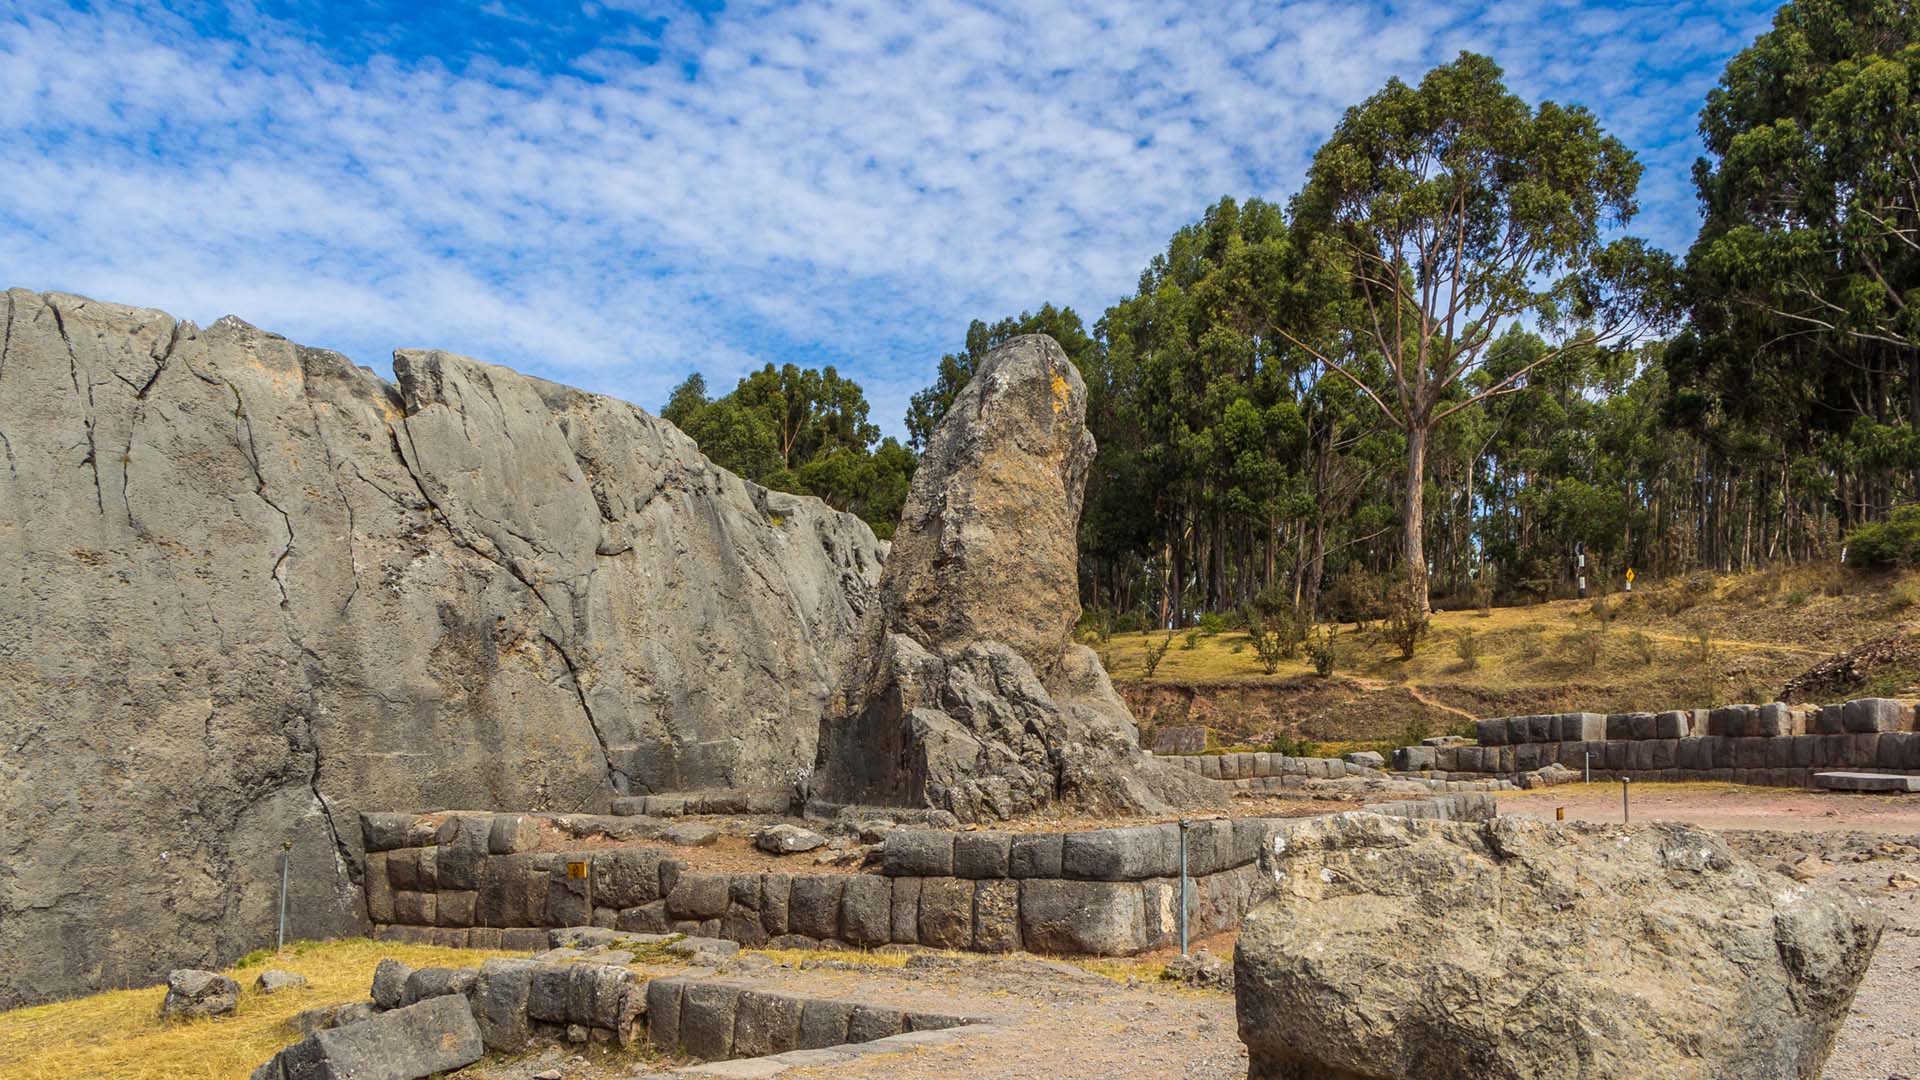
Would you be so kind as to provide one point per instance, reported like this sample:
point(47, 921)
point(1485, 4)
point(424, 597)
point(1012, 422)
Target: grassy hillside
point(1697, 641)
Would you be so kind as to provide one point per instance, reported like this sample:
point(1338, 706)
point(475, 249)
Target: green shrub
point(1416, 732)
point(1156, 652)
point(1466, 645)
point(1212, 623)
point(1131, 622)
point(1319, 646)
point(1192, 638)
point(1406, 623)
point(1893, 542)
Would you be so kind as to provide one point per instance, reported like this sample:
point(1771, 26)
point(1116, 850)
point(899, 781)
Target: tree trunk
point(1416, 526)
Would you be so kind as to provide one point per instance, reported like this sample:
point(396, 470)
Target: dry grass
point(118, 1034)
point(1642, 652)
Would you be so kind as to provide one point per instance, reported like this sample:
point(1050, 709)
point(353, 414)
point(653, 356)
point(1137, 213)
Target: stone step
point(1862, 781)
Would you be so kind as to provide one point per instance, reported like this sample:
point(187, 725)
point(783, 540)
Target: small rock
point(548, 1074)
point(873, 832)
point(192, 993)
point(1903, 881)
point(1804, 868)
point(390, 984)
point(1201, 969)
point(691, 834)
point(576, 1033)
point(274, 981)
point(704, 949)
point(784, 839)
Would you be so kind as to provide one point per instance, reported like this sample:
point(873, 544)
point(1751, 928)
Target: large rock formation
point(975, 698)
point(252, 589)
point(1520, 950)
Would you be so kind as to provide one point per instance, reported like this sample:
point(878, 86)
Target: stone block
point(776, 891)
point(1243, 765)
point(871, 1022)
point(1769, 721)
point(698, 895)
point(996, 915)
point(1687, 752)
point(1612, 755)
point(1087, 917)
point(1542, 729)
point(1863, 749)
point(917, 853)
point(1210, 847)
point(1210, 766)
point(1516, 730)
point(1750, 752)
point(824, 1023)
point(385, 832)
point(378, 888)
point(511, 834)
point(389, 990)
point(500, 1002)
point(602, 996)
point(866, 910)
point(455, 908)
point(765, 1023)
point(434, 1036)
point(1129, 854)
point(663, 1013)
point(706, 1020)
point(905, 908)
point(1871, 716)
point(1829, 720)
point(1731, 721)
point(1507, 757)
point(463, 841)
point(1249, 835)
point(414, 908)
point(1583, 727)
point(567, 899)
point(1447, 758)
point(436, 982)
point(1491, 732)
point(1672, 724)
point(1262, 763)
point(813, 906)
point(523, 939)
point(742, 924)
point(1415, 758)
point(946, 913)
point(627, 877)
point(1662, 753)
point(645, 919)
point(980, 854)
point(1779, 751)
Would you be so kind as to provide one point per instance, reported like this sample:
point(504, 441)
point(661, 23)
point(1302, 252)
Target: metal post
point(1183, 886)
point(1587, 765)
point(1626, 807)
point(286, 855)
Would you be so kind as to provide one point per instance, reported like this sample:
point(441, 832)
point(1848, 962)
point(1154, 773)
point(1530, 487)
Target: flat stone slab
point(1863, 781)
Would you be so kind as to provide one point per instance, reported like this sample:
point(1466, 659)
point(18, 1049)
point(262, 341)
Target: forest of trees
point(1446, 363)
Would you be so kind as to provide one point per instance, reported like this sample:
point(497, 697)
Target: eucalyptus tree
point(1453, 208)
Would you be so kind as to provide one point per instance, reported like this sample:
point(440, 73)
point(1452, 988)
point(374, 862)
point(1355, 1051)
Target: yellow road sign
point(1629, 575)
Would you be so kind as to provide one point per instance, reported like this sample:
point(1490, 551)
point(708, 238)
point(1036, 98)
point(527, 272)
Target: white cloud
point(844, 182)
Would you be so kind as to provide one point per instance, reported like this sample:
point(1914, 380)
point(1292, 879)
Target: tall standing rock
point(251, 589)
point(1392, 949)
point(975, 698)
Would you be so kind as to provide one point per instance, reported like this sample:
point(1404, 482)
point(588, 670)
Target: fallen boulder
point(436, 1035)
point(272, 982)
point(1511, 949)
point(192, 994)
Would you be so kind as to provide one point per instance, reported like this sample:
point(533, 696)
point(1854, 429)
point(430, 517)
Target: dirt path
point(1725, 806)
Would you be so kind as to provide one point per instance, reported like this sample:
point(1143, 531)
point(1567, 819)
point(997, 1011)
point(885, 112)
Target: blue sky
point(613, 193)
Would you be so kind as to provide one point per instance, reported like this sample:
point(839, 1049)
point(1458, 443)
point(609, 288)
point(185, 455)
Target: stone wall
point(473, 879)
point(1776, 744)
